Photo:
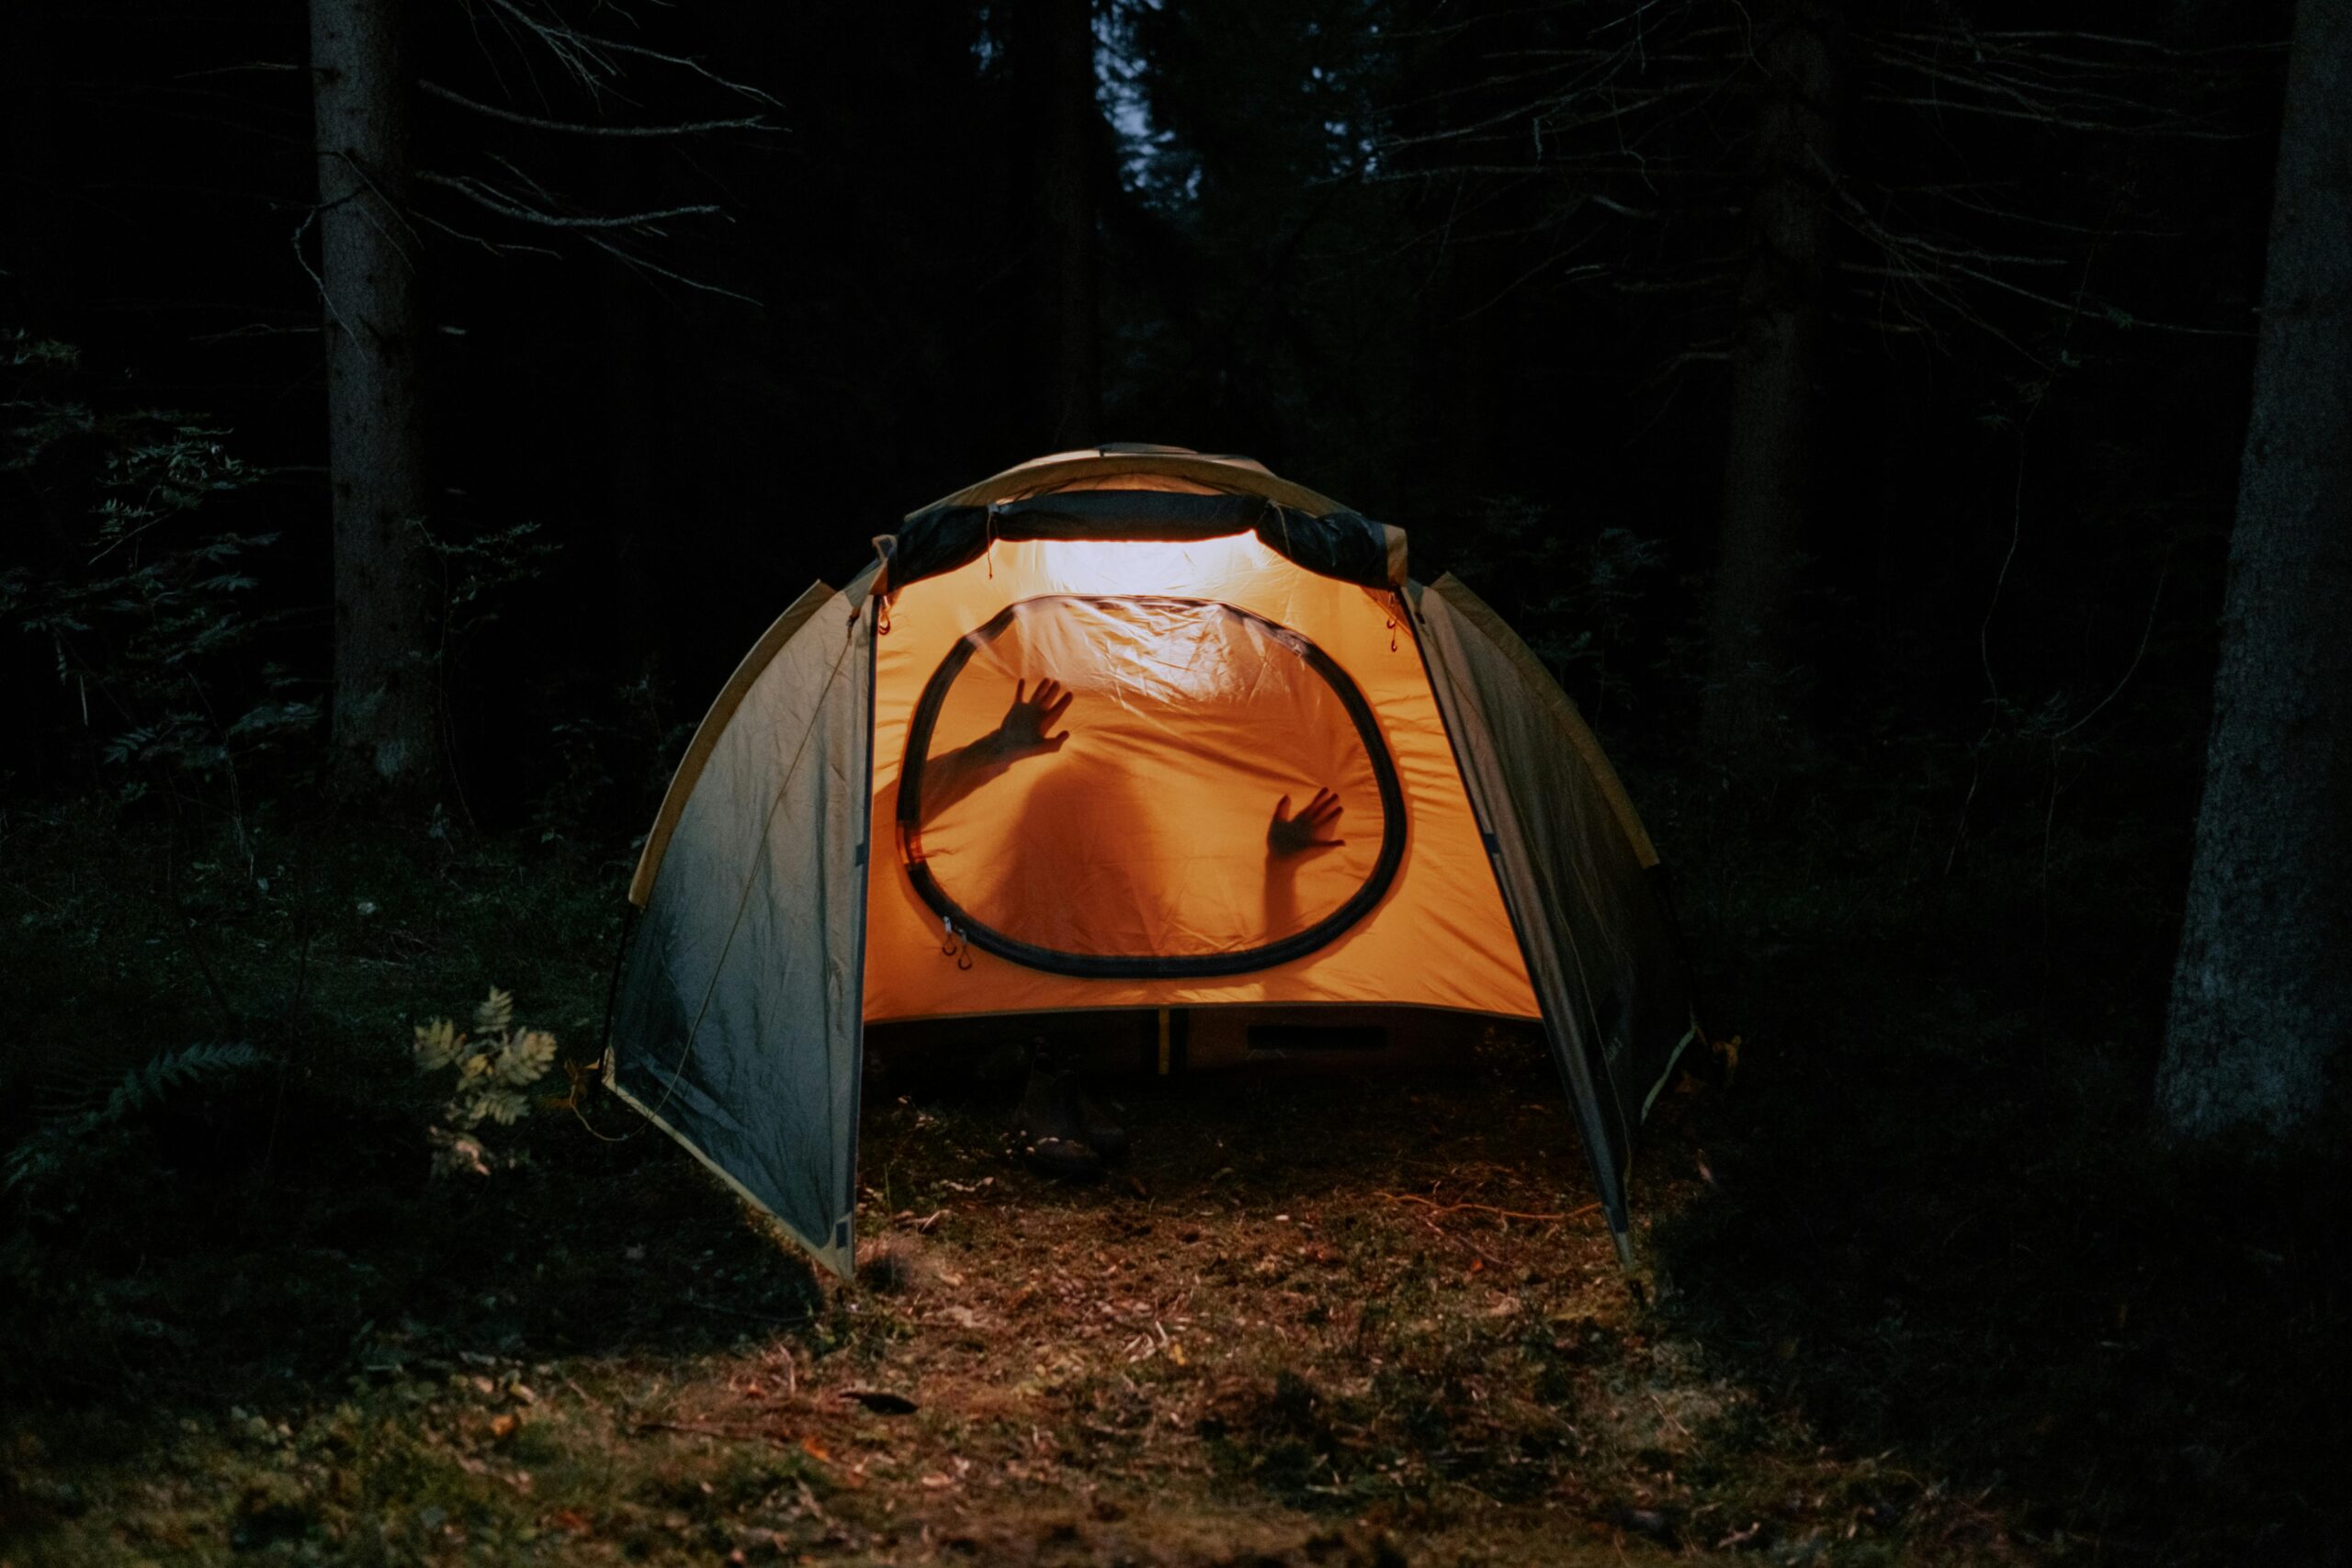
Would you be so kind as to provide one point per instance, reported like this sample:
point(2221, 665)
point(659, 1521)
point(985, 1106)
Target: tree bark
point(1776, 375)
point(2262, 992)
point(386, 725)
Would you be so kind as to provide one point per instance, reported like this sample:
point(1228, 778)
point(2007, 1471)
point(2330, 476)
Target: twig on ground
point(1436, 1207)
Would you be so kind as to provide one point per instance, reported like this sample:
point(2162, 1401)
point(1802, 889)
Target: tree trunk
point(1776, 373)
point(2262, 993)
point(386, 725)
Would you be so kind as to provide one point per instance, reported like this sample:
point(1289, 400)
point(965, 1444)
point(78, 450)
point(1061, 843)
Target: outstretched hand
point(1028, 723)
point(1287, 835)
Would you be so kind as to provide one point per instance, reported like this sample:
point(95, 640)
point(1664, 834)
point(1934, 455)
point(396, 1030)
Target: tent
point(1282, 776)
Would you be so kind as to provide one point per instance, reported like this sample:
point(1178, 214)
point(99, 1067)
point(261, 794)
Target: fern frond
point(170, 1070)
point(62, 1141)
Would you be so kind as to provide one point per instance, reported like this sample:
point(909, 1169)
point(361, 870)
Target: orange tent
point(1127, 730)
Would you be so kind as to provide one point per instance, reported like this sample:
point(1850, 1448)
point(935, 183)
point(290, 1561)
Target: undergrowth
point(1921, 1288)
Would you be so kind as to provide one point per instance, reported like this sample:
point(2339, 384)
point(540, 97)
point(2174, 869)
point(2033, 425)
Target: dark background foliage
point(1303, 259)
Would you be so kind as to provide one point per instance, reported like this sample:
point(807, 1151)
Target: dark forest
point(1917, 437)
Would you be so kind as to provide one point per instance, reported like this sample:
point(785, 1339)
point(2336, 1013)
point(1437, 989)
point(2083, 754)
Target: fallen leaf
point(504, 1428)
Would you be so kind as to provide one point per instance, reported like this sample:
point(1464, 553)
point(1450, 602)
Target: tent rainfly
point(1066, 747)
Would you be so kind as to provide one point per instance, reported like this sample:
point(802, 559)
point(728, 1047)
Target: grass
point(1920, 1290)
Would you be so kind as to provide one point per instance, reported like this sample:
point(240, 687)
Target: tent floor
point(1166, 1042)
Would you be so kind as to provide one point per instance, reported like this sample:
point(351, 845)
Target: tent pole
point(1624, 1241)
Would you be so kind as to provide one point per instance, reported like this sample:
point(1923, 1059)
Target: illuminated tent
point(1226, 640)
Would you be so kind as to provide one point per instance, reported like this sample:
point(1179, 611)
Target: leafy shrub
point(133, 595)
point(492, 1067)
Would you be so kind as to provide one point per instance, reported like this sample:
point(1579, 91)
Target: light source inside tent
point(1144, 837)
point(1141, 566)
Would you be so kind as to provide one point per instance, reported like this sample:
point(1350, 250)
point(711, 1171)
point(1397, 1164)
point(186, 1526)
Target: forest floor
point(1915, 1289)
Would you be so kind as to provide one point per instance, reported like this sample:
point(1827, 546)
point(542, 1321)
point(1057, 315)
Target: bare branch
point(587, 56)
point(496, 247)
point(2264, 47)
point(233, 70)
point(483, 195)
point(578, 128)
point(255, 329)
point(639, 264)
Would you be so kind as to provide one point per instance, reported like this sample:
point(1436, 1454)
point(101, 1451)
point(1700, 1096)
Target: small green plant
point(493, 1067)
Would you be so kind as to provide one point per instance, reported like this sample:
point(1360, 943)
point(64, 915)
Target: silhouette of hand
point(1027, 722)
point(1287, 835)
